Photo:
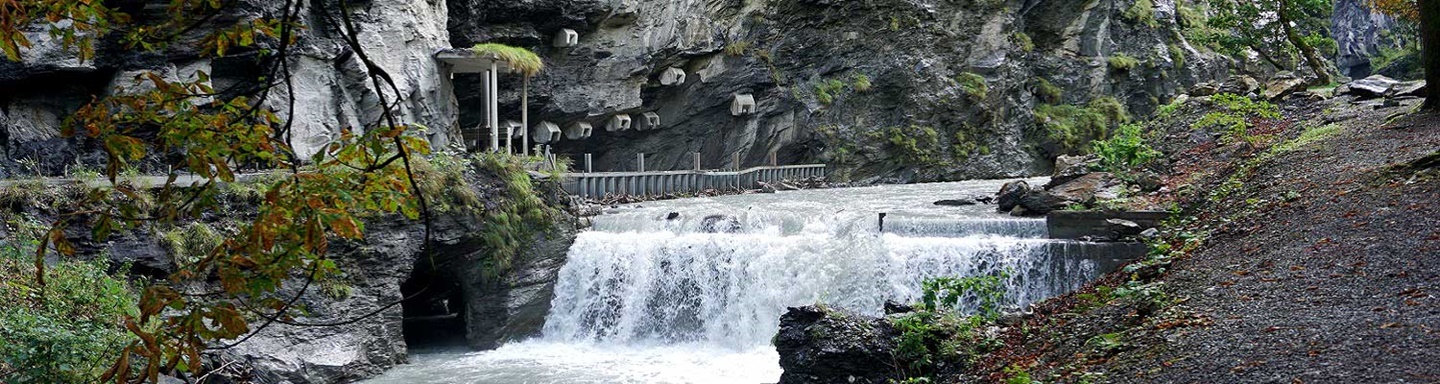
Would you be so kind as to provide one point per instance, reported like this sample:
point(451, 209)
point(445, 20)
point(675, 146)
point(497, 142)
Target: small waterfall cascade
point(692, 290)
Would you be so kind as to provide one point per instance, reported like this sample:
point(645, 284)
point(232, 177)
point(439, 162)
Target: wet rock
point(1123, 228)
point(825, 346)
point(1010, 195)
point(672, 216)
point(1367, 88)
point(894, 307)
point(720, 224)
point(956, 202)
point(1085, 188)
point(1069, 168)
point(1043, 202)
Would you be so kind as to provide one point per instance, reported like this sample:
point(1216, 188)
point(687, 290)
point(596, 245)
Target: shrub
point(1234, 118)
point(973, 84)
point(825, 91)
point(1023, 41)
point(1121, 62)
point(1124, 149)
point(1177, 55)
point(862, 83)
point(1072, 126)
point(1143, 12)
point(67, 332)
point(985, 292)
point(519, 214)
point(918, 145)
point(1046, 91)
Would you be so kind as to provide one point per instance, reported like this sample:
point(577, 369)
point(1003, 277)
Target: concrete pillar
point(735, 161)
point(494, 106)
point(640, 162)
point(588, 164)
point(697, 160)
point(773, 159)
point(525, 116)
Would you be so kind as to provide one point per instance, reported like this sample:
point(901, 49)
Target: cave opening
point(434, 311)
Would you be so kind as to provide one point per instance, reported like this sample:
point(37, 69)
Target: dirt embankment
point(1315, 259)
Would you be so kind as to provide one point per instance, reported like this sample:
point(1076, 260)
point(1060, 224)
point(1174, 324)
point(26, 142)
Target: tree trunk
point(1430, 50)
point(1312, 58)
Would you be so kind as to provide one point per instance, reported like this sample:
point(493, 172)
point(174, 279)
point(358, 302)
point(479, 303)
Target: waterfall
point(729, 289)
point(692, 290)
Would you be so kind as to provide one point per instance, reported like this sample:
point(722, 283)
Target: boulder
point(1369, 87)
point(1010, 195)
point(1043, 202)
point(956, 202)
point(1069, 168)
point(1208, 88)
point(1240, 85)
point(1084, 188)
point(1407, 89)
point(820, 345)
point(1283, 84)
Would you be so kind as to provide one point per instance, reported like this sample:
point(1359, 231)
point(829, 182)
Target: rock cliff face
point(331, 87)
point(1359, 35)
point(802, 60)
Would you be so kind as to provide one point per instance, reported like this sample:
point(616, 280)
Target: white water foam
point(691, 291)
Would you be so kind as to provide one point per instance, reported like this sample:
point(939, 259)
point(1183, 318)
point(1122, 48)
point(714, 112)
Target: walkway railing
point(599, 184)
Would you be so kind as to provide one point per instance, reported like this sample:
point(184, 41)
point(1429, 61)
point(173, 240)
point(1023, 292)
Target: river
point(691, 290)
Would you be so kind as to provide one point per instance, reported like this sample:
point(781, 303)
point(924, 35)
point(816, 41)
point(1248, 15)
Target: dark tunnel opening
point(434, 314)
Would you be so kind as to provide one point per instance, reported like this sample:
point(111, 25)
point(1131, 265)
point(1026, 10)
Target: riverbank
point(1320, 262)
point(1308, 250)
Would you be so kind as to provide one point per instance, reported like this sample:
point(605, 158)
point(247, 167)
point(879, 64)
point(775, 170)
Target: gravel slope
point(1323, 267)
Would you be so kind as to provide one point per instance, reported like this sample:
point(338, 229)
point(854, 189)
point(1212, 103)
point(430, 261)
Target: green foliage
point(1018, 375)
point(1168, 110)
point(191, 242)
point(1047, 92)
point(918, 145)
point(520, 59)
point(520, 213)
point(1143, 12)
point(1023, 41)
point(442, 180)
point(986, 292)
point(1072, 126)
point(1235, 115)
point(1121, 62)
point(1309, 136)
point(1280, 31)
point(825, 91)
point(737, 48)
point(973, 84)
point(928, 338)
point(71, 329)
point(861, 83)
point(1125, 149)
point(1177, 55)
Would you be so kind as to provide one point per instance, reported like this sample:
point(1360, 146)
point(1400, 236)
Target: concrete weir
point(667, 182)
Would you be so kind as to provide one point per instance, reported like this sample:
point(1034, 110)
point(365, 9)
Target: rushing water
point(691, 291)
